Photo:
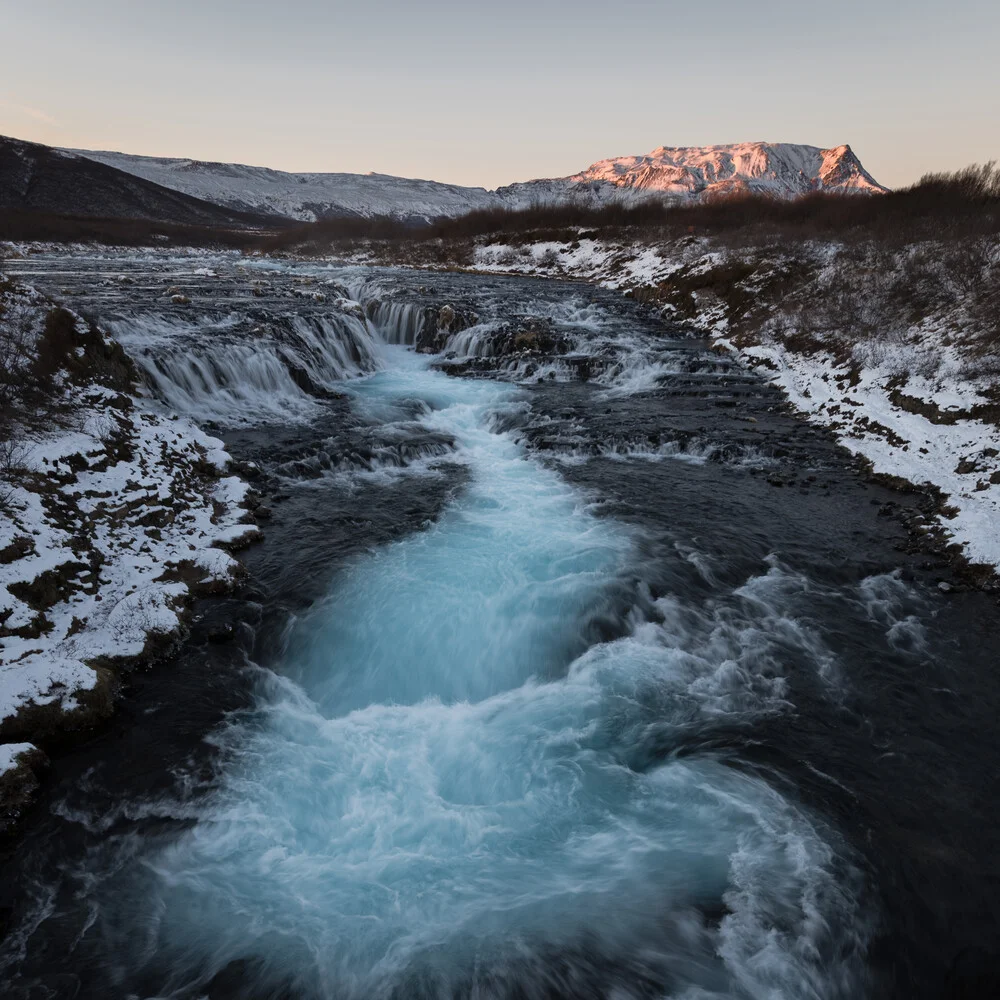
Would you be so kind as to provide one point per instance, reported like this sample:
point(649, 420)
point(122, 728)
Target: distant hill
point(303, 197)
point(780, 169)
point(41, 180)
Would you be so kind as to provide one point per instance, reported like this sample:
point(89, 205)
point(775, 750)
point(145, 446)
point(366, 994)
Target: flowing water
point(616, 688)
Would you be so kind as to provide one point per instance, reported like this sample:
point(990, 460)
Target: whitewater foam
point(241, 370)
point(457, 783)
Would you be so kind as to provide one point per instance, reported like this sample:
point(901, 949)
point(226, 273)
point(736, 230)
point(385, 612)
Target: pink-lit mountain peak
point(783, 169)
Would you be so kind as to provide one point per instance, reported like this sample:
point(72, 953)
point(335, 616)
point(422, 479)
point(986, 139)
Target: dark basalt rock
point(440, 324)
point(18, 787)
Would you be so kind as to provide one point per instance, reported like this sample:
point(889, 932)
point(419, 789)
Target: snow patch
point(9, 752)
point(107, 522)
point(872, 399)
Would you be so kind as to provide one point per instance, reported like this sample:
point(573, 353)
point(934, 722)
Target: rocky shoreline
point(890, 348)
point(115, 516)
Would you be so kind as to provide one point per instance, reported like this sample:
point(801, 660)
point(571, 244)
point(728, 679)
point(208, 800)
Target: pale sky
point(490, 93)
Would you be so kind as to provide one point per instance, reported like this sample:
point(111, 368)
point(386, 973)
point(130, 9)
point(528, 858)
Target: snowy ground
point(915, 395)
point(111, 516)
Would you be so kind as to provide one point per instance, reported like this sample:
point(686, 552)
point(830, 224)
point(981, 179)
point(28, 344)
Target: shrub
point(13, 454)
point(17, 348)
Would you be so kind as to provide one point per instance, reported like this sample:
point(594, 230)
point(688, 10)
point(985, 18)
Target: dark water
point(539, 687)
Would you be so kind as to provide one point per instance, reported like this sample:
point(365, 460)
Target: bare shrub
point(984, 310)
point(17, 348)
point(971, 262)
point(13, 456)
point(35, 345)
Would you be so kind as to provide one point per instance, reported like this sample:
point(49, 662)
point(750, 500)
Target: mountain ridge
point(780, 168)
point(672, 173)
point(45, 179)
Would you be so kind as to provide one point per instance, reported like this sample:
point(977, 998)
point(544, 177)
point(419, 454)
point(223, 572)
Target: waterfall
point(479, 341)
point(243, 370)
point(397, 322)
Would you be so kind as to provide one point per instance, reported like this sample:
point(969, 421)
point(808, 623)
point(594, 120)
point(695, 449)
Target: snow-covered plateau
point(779, 169)
point(112, 515)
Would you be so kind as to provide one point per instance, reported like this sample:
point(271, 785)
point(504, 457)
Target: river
point(593, 673)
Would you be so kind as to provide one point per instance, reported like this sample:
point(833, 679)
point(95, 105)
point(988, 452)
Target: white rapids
point(439, 794)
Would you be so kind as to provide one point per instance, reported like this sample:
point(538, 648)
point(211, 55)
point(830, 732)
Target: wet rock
point(446, 317)
point(248, 470)
point(223, 632)
point(18, 787)
point(239, 543)
point(441, 324)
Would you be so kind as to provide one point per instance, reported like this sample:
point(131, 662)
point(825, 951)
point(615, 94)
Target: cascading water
point(397, 322)
point(447, 789)
point(231, 370)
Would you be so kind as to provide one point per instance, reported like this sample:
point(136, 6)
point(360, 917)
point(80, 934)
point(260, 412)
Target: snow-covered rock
point(111, 516)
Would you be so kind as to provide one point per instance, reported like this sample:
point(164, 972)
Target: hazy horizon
point(491, 96)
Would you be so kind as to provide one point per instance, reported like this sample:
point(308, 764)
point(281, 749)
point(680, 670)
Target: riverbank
point(894, 348)
point(113, 516)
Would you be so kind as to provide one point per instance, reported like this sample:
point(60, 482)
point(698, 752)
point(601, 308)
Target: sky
point(508, 90)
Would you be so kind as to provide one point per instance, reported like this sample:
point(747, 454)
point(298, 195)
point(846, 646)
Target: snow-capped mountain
point(780, 169)
point(676, 173)
point(306, 197)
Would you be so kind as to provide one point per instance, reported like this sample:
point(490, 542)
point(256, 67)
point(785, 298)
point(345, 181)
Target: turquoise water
point(435, 796)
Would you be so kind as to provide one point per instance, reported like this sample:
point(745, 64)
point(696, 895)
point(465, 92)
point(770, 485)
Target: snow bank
point(960, 458)
point(912, 396)
point(112, 517)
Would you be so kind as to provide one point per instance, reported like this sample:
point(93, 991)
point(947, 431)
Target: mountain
point(305, 197)
point(39, 179)
point(776, 168)
point(675, 173)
